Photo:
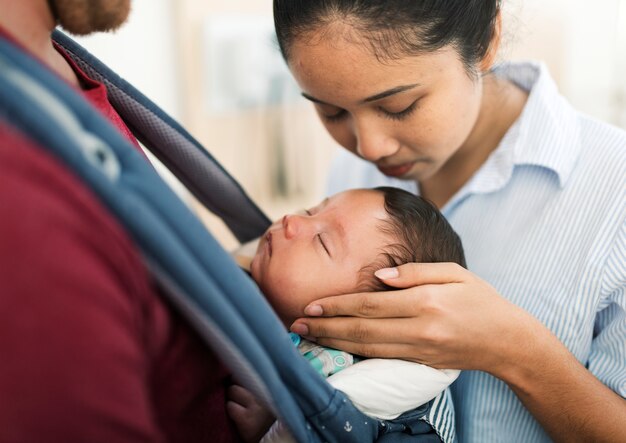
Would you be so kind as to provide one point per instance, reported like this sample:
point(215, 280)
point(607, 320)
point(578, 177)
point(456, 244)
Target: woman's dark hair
point(421, 232)
point(394, 28)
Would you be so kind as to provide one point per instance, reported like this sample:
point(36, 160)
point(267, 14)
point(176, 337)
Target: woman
point(535, 189)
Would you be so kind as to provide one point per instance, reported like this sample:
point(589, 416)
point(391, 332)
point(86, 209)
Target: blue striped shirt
point(543, 221)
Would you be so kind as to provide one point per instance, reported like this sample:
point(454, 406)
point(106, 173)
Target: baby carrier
point(201, 279)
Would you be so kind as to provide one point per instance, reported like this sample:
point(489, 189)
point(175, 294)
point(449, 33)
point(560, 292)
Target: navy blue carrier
point(201, 279)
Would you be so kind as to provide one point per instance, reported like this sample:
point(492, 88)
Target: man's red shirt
point(89, 350)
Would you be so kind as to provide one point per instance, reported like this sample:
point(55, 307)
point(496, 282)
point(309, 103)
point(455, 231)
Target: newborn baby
point(335, 248)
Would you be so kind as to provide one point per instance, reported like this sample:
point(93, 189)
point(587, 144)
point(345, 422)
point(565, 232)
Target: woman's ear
point(490, 56)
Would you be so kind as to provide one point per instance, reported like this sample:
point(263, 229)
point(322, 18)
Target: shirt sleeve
point(386, 388)
point(608, 350)
point(74, 352)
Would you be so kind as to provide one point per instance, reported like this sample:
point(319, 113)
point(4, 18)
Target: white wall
point(582, 42)
point(144, 52)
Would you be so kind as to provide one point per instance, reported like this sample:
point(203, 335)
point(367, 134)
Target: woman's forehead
point(331, 70)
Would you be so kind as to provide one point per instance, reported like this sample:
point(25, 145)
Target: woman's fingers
point(447, 317)
point(416, 274)
point(365, 305)
point(419, 279)
point(358, 330)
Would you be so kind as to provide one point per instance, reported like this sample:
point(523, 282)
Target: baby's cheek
point(290, 293)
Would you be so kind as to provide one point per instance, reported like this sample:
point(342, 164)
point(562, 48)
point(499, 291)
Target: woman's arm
point(449, 318)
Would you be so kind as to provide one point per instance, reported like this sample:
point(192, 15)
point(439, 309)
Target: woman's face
point(408, 115)
point(320, 252)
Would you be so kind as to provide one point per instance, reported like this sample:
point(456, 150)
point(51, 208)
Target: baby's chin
point(284, 311)
point(255, 266)
point(286, 319)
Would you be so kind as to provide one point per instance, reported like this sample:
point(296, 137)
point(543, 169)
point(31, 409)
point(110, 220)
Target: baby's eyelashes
point(303, 212)
point(319, 236)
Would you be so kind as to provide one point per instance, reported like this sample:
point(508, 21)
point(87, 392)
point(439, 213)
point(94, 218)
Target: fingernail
point(299, 328)
point(313, 310)
point(387, 273)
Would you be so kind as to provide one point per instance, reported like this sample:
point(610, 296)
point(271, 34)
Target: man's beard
point(82, 17)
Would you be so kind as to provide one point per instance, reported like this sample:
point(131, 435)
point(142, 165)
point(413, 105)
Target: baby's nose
point(293, 224)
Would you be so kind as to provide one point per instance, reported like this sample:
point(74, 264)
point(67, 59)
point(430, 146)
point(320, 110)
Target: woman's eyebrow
point(389, 92)
point(373, 98)
point(313, 99)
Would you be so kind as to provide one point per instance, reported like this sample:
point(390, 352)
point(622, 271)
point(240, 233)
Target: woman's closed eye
point(400, 115)
point(335, 117)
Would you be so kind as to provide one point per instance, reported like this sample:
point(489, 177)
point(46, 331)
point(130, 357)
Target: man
point(89, 349)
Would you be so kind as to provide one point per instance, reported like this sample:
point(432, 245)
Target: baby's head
point(335, 247)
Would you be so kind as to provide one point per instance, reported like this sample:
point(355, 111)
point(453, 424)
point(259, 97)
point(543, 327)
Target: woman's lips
point(396, 171)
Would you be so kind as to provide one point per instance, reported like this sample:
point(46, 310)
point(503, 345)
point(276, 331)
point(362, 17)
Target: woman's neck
point(502, 104)
point(31, 23)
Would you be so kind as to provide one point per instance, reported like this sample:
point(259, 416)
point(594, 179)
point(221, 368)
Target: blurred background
point(214, 65)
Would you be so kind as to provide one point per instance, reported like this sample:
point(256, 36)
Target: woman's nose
point(372, 144)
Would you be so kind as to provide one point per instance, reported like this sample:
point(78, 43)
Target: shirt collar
point(546, 134)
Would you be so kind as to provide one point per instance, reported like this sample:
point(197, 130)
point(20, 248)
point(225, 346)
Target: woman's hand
point(446, 317)
point(449, 318)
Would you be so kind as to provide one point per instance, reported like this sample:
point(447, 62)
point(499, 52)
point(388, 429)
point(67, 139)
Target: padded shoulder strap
point(201, 279)
point(175, 148)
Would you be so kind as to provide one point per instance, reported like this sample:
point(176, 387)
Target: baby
point(335, 248)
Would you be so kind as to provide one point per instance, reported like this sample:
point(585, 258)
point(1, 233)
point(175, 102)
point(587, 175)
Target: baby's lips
point(268, 239)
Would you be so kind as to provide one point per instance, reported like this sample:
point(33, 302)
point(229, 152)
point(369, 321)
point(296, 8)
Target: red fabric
point(96, 93)
point(89, 351)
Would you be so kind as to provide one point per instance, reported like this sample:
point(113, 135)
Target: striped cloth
point(326, 361)
point(329, 361)
point(543, 221)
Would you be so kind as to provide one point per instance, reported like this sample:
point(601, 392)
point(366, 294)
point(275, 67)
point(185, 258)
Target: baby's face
point(320, 252)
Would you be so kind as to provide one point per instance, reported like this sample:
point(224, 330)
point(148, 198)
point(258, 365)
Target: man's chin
point(83, 17)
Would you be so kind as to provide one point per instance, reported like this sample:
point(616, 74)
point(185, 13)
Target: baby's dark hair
point(421, 234)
